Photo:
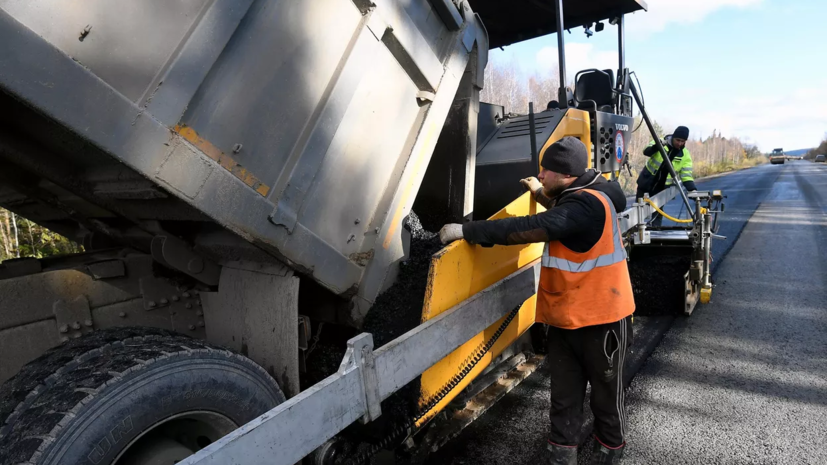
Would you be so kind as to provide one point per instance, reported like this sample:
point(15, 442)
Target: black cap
point(566, 156)
point(682, 132)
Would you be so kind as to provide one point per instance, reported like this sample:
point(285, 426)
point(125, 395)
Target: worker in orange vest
point(584, 296)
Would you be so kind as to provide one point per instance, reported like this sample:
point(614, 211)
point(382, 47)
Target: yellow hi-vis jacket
point(682, 164)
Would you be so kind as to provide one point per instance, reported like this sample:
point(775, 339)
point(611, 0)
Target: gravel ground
point(396, 311)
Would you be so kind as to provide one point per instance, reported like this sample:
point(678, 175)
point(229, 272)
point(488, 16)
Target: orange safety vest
point(589, 288)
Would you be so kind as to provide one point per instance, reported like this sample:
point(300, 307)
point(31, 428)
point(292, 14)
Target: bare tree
point(5, 233)
point(16, 239)
point(32, 244)
point(506, 86)
point(37, 241)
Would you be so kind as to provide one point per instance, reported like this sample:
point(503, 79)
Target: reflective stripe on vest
point(579, 289)
point(685, 174)
point(654, 162)
point(617, 255)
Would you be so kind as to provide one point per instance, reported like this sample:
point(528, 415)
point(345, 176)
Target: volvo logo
point(622, 127)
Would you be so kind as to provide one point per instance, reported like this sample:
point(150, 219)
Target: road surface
point(744, 379)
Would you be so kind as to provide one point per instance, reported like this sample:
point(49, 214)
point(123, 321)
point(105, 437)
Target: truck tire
point(128, 396)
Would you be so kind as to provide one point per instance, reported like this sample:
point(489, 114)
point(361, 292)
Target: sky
point(755, 69)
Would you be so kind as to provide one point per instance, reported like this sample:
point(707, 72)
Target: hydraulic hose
point(670, 218)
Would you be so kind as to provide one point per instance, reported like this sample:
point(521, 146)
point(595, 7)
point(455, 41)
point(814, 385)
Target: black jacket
point(576, 220)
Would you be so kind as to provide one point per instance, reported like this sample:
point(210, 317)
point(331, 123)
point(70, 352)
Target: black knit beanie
point(566, 156)
point(682, 132)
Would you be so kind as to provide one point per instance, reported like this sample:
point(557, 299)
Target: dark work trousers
point(596, 354)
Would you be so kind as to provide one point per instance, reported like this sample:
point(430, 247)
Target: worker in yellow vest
point(584, 296)
point(654, 177)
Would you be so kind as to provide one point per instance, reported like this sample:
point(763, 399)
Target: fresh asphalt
point(744, 379)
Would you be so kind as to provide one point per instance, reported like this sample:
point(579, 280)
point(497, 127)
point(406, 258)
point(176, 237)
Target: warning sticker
point(620, 146)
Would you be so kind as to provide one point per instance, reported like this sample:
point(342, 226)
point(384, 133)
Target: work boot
point(561, 455)
point(602, 455)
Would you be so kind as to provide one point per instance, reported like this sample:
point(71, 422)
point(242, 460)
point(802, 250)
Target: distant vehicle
point(820, 159)
point(777, 157)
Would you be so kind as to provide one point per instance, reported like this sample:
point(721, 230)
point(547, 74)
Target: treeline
point(505, 85)
point(23, 238)
point(820, 150)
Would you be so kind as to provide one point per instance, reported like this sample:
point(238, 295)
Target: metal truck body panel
point(303, 127)
point(128, 44)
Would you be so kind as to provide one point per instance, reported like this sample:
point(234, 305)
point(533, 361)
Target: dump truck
point(241, 176)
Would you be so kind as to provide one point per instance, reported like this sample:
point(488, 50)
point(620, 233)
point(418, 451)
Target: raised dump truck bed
point(304, 128)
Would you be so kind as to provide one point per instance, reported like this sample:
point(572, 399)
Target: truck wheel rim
point(175, 438)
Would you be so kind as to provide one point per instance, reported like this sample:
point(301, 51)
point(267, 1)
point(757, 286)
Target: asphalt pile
point(658, 281)
point(399, 309)
point(395, 312)
point(324, 360)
